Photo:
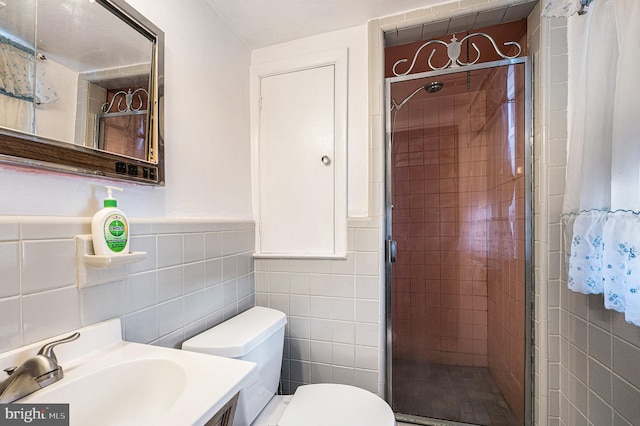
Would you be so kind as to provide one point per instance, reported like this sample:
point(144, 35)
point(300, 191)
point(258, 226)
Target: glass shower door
point(458, 166)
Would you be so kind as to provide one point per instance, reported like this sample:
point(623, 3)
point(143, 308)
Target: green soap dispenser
point(110, 228)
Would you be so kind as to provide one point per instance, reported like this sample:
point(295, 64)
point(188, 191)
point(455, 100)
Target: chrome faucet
point(35, 373)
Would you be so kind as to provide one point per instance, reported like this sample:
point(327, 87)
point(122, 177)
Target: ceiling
point(261, 23)
point(258, 23)
point(472, 21)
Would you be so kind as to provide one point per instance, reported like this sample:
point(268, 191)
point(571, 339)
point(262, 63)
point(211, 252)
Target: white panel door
point(296, 162)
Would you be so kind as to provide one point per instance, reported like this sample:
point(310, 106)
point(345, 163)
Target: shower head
point(434, 87)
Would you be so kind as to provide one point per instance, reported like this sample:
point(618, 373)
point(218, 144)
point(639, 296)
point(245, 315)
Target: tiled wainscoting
point(197, 272)
point(333, 309)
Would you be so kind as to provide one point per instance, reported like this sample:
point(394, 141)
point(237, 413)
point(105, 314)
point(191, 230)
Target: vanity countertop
point(110, 381)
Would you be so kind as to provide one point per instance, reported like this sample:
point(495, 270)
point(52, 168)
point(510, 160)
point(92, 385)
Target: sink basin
point(133, 392)
point(108, 381)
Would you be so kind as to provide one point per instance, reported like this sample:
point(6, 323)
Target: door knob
point(326, 160)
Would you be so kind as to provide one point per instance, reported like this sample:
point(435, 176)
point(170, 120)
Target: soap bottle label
point(115, 232)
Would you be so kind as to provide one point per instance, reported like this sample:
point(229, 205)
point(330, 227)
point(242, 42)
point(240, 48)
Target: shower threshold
point(415, 420)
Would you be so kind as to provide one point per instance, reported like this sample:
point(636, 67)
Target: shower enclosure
point(459, 277)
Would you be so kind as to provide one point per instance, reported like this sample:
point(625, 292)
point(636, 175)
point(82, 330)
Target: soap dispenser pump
point(110, 227)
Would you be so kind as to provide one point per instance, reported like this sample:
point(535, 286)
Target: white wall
point(206, 131)
point(355, 40)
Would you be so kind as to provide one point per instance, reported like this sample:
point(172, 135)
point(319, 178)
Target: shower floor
point(449, 392)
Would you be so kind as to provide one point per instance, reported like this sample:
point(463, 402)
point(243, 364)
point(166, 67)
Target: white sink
point(108, 381)
point(132, 392)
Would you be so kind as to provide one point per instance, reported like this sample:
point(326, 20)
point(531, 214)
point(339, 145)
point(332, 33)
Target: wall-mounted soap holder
point(98, 260)
point(84, 248)
point(93, 269)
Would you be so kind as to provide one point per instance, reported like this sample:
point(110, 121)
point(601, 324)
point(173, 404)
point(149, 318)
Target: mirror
point(81, 88)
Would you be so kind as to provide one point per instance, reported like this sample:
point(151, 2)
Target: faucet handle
point(47, 349)
point(10, 370)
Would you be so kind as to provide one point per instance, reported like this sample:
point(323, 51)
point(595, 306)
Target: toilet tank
point(255, 335)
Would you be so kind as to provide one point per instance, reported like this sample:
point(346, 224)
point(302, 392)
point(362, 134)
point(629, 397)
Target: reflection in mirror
point(17, 65)
point(83, 72)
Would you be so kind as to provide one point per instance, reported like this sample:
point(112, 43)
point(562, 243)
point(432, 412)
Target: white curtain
point(560, 8)
point(602, 196)
point(16, 114)
point(19, 74)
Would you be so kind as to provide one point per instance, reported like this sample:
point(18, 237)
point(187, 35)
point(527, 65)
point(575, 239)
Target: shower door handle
point(391, 250)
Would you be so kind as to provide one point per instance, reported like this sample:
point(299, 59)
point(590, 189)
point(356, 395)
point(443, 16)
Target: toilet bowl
point(257, 335)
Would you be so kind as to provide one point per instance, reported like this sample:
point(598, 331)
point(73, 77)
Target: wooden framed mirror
point(81, 89)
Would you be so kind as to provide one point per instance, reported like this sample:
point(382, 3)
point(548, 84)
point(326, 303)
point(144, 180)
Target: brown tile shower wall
point(506, 248)
point(439, 220)
point(119, 132)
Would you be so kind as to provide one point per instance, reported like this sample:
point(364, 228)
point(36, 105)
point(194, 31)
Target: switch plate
point(132, 169)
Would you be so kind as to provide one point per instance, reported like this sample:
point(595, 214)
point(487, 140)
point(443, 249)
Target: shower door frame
point(528, 270)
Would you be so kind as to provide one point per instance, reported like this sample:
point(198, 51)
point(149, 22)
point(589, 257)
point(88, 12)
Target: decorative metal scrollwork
point(129, 98)
point(453, 52)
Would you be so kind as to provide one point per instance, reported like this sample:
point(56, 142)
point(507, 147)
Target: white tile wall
point(103, 302)
point(170, 250)
point(10, 322)
point(196, 273)
point(9, 253)
point(49, 313)
point(586, 356)
point(169, 283)
point(9, 229)
point(333, 309)
point(58, 270)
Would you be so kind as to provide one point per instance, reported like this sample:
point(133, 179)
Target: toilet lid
point(336, 405)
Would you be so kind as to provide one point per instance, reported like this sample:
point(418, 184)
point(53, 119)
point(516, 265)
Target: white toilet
point(257, 335)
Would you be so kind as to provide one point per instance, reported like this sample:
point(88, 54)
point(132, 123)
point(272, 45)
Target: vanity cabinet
point(224, 417)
